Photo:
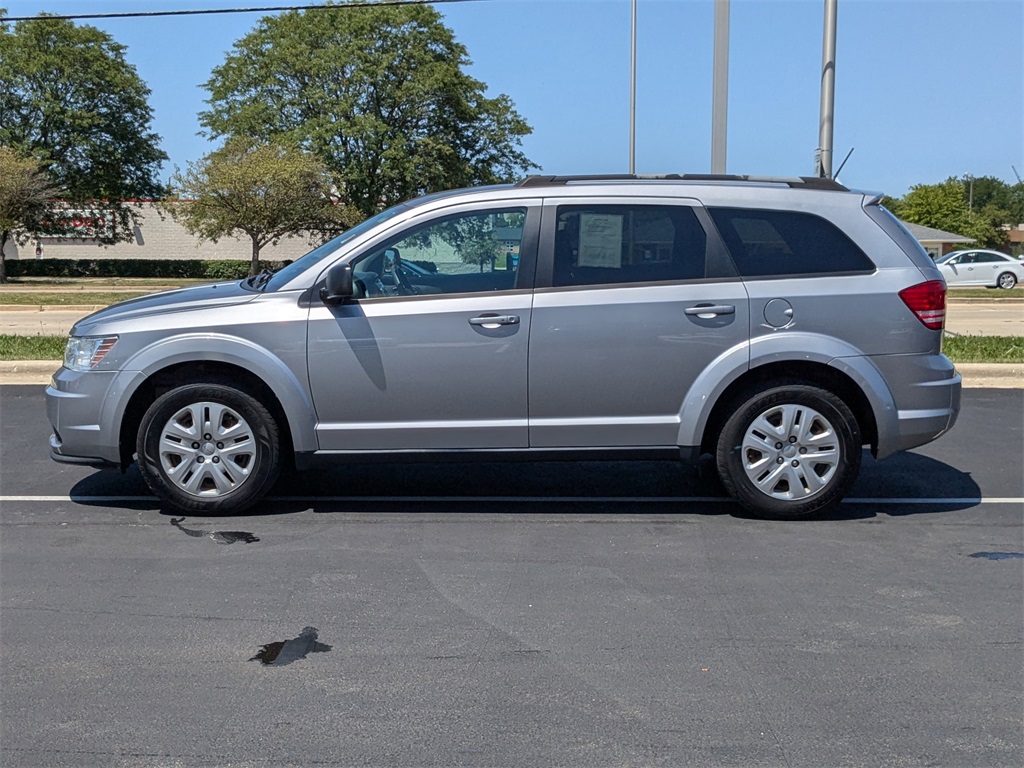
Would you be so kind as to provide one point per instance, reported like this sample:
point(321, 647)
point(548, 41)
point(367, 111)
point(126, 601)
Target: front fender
point(287, 378)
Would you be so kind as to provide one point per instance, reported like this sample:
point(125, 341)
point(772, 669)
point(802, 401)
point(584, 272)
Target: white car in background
point(980, 267)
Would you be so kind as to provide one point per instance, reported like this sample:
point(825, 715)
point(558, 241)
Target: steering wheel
point(401, 281)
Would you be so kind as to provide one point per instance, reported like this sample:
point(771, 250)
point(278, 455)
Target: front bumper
point(84, 430)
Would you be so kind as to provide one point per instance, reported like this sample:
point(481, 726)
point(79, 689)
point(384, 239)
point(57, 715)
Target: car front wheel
point(208, 449)
point(789, 451)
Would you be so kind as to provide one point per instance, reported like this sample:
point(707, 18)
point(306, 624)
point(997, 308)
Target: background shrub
point(204, 269)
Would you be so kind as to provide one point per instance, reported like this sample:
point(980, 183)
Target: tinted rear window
point(786, 243)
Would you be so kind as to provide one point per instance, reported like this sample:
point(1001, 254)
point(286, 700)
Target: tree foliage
point(946, 206)
point(25, 193)
point(379, 94)
point(70, 99)
point(262, 191)
point(988, 192)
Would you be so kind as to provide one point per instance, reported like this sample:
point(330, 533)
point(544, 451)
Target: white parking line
point(527, 499)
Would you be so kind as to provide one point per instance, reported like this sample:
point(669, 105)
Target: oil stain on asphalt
point(284, 652)
point(221, 537)
point(999, 555)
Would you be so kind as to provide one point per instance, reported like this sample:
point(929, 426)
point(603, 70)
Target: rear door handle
point(710, 310)
point(493, 321)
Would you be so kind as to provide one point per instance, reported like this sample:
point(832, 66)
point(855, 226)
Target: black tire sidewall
point(730, 461)
point(267, 457)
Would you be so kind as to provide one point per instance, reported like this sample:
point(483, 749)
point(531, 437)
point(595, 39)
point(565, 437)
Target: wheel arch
point(201, 371)
point(249, 369)
point(806, 372)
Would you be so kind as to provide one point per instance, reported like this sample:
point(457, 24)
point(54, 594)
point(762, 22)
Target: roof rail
point(800, 182)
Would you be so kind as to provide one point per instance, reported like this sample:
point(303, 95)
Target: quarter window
point(782, 243)
point(608, 244)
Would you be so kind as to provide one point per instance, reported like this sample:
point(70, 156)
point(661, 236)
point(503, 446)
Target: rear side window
point(786, 243)
point(608, 244)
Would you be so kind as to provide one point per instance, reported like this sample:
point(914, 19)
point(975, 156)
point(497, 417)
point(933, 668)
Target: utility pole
point(720, 87)
point(823, 157)
point(632, 98)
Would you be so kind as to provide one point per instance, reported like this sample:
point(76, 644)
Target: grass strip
point(86, 283)
point(960, 349)
point(984, 349)
point(32, 347)
point(40, 298)
point(988, 294)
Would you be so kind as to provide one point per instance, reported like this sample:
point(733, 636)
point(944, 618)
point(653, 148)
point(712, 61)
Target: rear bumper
point(926, 391)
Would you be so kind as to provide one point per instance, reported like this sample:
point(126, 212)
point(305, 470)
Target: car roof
point(712, 189)
point(978, 250)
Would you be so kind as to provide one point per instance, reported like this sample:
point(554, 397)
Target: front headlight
point(84, 353)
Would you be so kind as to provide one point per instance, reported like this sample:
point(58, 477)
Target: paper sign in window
point(600, 240)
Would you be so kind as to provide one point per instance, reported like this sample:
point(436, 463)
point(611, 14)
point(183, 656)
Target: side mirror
point(339, 286)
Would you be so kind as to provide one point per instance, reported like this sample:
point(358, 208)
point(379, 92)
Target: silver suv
point(777, 324)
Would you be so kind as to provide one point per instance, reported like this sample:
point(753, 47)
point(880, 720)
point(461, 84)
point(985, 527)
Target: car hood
point(167, 302)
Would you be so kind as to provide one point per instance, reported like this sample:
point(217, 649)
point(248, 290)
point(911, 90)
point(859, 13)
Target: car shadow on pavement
point(905, 484)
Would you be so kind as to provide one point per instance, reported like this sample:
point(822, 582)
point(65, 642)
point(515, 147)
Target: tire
point(1006, 280)
point(789, 451)
point(222, 469)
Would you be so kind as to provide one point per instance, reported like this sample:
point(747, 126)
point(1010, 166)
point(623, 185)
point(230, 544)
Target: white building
point(157, 236)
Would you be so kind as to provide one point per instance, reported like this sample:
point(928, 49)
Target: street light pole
point(632, 97)
point(720, 87)
point(823, 161)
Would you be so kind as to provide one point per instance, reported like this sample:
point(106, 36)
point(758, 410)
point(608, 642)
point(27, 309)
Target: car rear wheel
point(208, 449)
point(789, 451)
point(1006, 280)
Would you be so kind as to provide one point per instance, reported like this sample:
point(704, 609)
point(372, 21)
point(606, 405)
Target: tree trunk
point(254, 265)
point(4, 237)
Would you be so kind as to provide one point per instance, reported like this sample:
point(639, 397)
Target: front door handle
point(711, 310)
point(493, 321)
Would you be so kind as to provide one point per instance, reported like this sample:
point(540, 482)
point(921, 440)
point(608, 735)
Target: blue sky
point(925, 89)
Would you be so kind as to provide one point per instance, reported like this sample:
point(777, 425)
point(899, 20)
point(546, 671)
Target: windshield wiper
point(260, 280)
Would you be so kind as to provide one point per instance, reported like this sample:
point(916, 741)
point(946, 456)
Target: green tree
point(262, 191)
point(944, 206)
point(25, 193)
point(379, 94)
point(995, 194)
point(70, 99)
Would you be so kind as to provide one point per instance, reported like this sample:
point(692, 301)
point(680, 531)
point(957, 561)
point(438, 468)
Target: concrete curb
point(976, 375)
point(52, 307)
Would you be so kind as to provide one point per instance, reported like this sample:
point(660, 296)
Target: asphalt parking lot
point(538, 614)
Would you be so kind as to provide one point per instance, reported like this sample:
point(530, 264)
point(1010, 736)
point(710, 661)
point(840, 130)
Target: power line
point(209, 11)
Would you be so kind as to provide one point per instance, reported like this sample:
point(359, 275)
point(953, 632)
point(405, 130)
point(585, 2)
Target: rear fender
point(745, 359)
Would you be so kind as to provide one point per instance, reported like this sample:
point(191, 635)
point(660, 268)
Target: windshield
point(288, 273)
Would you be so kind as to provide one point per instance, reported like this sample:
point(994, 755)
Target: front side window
point(609, 244)
point(471, 252)
point(283, 276)
point(786, 243)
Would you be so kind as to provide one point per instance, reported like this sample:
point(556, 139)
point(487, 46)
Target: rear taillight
point(928, 302)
